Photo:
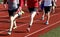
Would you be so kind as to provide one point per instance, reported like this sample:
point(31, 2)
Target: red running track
point(37, 29)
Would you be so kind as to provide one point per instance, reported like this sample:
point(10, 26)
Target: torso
point(47, 2)
point(32, 3)
point(12, 5)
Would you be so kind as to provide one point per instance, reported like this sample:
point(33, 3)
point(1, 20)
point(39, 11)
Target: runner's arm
point(21, 5)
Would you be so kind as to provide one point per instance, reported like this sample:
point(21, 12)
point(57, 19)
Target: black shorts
point(32, 9)
point(12, 12)
point(47, 9)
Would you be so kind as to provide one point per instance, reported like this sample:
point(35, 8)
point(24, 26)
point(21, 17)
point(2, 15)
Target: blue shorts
point(42, 5)
point(12, 12)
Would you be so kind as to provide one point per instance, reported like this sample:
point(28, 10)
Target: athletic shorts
point(32, 9)
point(12, 12)
point(42, 5)
point(47, 9)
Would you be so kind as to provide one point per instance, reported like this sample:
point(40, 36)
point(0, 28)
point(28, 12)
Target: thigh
point(47, 9)
point(12, 12)
point(32, 9)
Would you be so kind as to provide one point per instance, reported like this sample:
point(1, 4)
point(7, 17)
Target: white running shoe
point(9, 32)
point(47, 22)
point(28, 29)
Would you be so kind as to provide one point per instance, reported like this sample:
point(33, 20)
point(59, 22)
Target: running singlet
point(42, 5)
point(12, 4)
point(32, 3)
point(47, 3)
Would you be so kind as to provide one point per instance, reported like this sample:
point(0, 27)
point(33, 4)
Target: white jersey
point(17, 1)
point(47, 2)
point(12, 5)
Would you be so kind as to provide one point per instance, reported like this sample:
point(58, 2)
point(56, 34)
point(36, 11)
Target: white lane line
point(27, 23)
point(43, 28)
point(38, 20)
point(4, 31)
point(19, 18)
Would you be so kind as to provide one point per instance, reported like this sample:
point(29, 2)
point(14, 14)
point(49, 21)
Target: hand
point(55, 0)
point(4, 5)
point(19, 9)
point(40, 3)
point(25, 4)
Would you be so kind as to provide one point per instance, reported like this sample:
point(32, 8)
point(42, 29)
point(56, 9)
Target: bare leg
point(48, 17)
point(19, 14)
point(15, 26)
point(53, 9)
point(43, 15)
point(12, 19)
point(32, 18)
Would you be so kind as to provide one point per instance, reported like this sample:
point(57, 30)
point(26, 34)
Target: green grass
point(1, 0)
point(53, 33)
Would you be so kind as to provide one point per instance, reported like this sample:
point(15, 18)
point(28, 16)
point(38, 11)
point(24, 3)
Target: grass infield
point(53, 33)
